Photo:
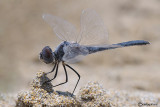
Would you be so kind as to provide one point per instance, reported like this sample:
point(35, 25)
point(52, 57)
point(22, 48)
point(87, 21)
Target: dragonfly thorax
point(59, 52)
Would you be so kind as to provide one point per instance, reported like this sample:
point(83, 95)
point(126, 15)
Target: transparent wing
point(75, 60)
point(63, 29)
point(74, 53)
point(93, 31)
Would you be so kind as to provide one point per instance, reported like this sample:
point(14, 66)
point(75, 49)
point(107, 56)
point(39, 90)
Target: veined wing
point(93, 31)
point(63, 29)
point(74, 52)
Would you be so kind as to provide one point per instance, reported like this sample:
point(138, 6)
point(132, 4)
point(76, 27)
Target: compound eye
point(47, 52)
point(46, 55)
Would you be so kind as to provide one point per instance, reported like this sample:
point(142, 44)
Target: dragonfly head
point(47, 55)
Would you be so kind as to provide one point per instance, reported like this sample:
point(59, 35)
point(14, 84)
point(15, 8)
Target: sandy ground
point(23, 34)
point(91, 95)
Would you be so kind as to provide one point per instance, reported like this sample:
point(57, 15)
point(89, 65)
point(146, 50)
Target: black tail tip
point(143, 42)
point(147, 43)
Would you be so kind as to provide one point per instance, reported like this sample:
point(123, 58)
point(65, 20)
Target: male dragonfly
point(91, 38)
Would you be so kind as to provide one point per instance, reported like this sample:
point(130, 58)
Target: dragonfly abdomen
point(93, 49)
point(133, 43)
point(97, 49)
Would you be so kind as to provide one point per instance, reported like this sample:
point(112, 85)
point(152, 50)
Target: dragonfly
point(92, 38)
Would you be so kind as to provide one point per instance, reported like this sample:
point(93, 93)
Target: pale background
point(23, 34)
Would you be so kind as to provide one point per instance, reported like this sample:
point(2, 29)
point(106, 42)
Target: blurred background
point(23, 34)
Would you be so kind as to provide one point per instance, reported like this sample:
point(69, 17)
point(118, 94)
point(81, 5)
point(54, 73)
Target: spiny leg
point(55, 73)
point(52, 69)
point(77, 74)
point(66, 75)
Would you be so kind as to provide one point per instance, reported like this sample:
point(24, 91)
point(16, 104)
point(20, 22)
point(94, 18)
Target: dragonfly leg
point(66, 75)
point(52, 69)
point(77, 74)
point(55, 73)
